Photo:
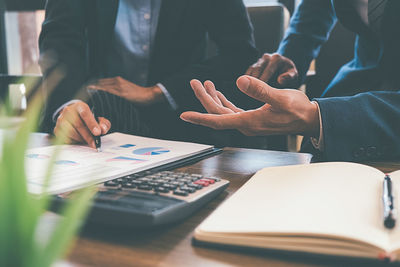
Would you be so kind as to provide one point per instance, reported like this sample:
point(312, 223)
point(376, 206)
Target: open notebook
point(77, 166)
point(324, 208)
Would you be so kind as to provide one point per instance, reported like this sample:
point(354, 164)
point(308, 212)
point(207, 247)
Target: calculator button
point(201, 182)
point(145, 187)
point(154, 184)
point(177, 183)
point(161, 189)
point(137, 183)
point(111, 183)
point(169, 186)
point(128, 185)
point(195, 186)
point(181, 193)
point(210, 181)
point(188, 189)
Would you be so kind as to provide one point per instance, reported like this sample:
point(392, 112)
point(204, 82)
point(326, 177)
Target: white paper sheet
point(77, 166)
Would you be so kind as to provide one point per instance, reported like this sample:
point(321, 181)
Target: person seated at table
point(138, 57)
point(376, 52)
point(358, 126)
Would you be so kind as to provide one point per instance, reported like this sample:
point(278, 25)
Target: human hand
point(274, 68)
point(77, 124)
point(130, 91)
point(285, 112)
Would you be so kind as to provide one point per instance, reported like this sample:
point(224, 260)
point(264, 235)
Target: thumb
point(258, 89)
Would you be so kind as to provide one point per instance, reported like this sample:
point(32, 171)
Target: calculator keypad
point(176, 184)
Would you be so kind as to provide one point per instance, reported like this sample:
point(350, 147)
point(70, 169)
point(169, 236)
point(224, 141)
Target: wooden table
point(172, 245)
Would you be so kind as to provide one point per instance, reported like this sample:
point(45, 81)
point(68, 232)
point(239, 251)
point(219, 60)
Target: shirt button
point(145, 47)
point(147, 16)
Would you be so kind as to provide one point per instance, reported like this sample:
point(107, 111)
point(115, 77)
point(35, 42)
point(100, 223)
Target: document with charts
point(77, 166)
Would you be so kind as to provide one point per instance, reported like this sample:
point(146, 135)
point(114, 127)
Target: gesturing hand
point(130, 91)
point(285, 112)
point(77, 124)
point(276, 69)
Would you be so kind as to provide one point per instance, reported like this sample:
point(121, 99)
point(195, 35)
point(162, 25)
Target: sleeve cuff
point(319, 143)
point(57, 112)
point(168, 96)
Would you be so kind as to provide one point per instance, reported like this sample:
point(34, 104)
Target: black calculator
point(149, 198)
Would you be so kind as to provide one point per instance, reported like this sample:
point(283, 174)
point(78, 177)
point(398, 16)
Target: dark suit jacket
point(76, 36)
point(365, 126)
point(375, 55)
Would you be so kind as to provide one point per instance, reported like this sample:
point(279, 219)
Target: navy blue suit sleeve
point(309, 28)
point(361, 128)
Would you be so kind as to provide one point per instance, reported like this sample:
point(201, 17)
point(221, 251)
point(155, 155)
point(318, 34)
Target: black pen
point(97, 139)
point(389, 213)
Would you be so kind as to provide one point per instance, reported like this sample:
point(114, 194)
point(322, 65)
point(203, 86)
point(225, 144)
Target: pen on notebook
point(97, 139)
point(389, 212)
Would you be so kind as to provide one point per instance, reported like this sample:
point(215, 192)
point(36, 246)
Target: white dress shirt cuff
point(319, 143)
point(57, 112)
point(168, 96)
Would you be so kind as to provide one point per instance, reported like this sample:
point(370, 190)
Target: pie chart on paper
point(151, 151)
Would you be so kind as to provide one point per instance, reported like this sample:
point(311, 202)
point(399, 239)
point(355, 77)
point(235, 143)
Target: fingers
point(258, 90)
point(105, 125)
point(272, 68)
point(210, 88)
point(228, 103)
point(257, 69)
point(88, 119)
point(218, 122)
point(206, 100)
point(106, 88)
point(109, 81)
point(289, 78)
point(110, 85)
point(77, 122)
point(68, 123)
point(68, 132)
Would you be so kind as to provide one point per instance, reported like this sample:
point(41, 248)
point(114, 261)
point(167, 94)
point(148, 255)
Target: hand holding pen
point(97, 138)
point(77, 123)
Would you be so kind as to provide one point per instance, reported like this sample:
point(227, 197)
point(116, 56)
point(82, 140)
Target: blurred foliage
point(21, 213)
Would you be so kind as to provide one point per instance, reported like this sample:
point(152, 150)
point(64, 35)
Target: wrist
point(157, 95)
point(313, 120)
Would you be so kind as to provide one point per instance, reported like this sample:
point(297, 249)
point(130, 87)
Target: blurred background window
point(20, 24)
point(22, 30)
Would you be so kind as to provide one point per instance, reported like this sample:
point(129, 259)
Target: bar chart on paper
point(151, 151)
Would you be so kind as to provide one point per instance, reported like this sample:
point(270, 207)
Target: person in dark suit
point(138, 57)
point(361, 123)
point(375, 52)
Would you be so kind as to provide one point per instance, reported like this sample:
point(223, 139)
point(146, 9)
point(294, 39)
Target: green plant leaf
point(74, 215)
